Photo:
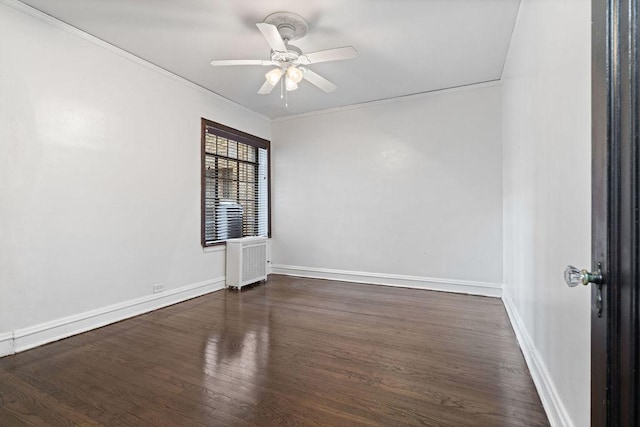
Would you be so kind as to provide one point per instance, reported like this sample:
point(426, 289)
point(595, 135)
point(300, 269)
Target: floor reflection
point(236, 352)
point(293, 352)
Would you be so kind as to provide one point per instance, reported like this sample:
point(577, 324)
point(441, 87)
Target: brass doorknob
point(574, 277)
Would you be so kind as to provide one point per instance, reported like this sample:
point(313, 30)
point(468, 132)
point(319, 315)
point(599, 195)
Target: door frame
point(615, 331)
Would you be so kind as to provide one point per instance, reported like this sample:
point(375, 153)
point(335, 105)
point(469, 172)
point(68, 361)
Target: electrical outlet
point(158, 288)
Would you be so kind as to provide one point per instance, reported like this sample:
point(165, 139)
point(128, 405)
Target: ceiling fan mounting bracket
point(290, 25)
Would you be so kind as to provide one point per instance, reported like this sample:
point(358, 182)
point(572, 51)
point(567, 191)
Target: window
point(235, 184)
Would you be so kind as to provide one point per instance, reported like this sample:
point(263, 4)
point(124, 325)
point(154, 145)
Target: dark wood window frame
point(239, 136)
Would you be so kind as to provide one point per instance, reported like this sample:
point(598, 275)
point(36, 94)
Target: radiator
point(246, 261)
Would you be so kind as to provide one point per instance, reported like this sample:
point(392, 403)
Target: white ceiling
point(404, 46)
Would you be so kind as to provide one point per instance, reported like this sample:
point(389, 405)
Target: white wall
point(99, 173)
point(547, 198)
point(410, 187)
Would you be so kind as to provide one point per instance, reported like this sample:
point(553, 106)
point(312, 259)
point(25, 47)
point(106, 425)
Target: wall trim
point(397, 280)
point(513, 30)
point(48, 19)
point(551, 401)
point(6, 344)
point(367, 104)
point(37, 335)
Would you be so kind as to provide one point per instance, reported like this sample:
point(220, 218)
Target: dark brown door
point(615, 315)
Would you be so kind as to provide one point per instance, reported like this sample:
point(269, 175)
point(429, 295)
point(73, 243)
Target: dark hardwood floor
point(291, 352)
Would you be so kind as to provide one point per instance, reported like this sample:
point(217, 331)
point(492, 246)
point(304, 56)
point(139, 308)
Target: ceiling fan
point(291, 65)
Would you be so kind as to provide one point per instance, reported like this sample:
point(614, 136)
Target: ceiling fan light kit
point(274, 75)
point(290, 84)
point(279, 29)
point(294, 74)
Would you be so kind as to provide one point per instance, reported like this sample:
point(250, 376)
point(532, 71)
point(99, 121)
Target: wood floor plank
point(32, 406)
point(292, 351)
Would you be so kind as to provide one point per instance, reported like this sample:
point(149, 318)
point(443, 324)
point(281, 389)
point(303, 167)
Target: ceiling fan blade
point(336, 54)
point(225, 62)
point(270, 32)
point(266, 88)
point(318, 80)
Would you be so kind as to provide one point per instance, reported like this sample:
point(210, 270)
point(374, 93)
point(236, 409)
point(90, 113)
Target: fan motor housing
point(290, 55)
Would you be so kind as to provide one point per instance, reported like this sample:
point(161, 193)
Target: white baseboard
point(556, 412)
point(34, 336)
point(6, 344)
point(434, 284)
